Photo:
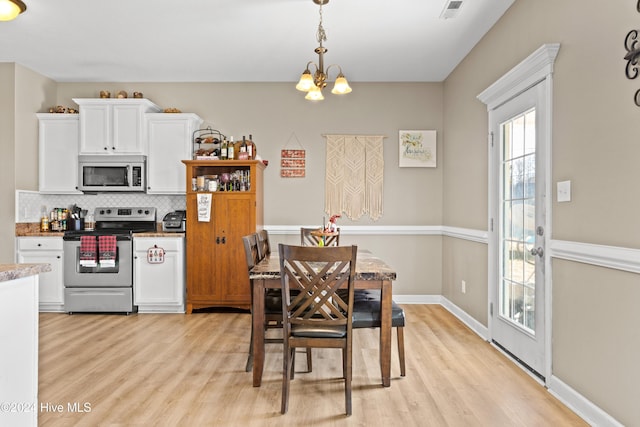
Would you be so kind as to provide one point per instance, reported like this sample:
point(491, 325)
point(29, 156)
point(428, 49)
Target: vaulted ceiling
point(243, 40)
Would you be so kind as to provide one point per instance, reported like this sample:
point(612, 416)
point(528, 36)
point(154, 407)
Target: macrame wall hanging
point(292, 159)
point(354, 175)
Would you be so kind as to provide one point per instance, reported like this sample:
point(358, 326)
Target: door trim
point(537, 68)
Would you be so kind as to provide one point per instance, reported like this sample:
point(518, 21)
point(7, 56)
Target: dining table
point(371, 273)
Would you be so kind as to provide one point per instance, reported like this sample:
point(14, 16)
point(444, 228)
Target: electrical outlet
point(463, 287)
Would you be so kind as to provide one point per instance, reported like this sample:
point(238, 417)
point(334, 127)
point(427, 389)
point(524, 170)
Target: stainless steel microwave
point(112, 172)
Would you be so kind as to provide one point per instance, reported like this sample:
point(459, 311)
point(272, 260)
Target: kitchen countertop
point(17, 271)
point(32, 229)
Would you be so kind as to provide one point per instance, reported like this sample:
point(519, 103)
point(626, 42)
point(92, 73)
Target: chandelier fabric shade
point(314, 83)
point(10, 9)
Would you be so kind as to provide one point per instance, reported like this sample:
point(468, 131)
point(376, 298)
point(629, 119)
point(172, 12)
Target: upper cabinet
point(58, 153)
point(113, 126)
point(169, 141)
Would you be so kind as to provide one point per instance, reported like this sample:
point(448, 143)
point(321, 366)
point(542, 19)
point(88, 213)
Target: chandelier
point(313, 84)
point(10, 9)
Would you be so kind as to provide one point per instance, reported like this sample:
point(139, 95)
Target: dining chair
point(366, 314)
point(272, 303)
point(264, 246)
point(308, 239)
point(317, 317)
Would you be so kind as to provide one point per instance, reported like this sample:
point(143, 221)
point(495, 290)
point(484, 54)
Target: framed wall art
point(417, 148)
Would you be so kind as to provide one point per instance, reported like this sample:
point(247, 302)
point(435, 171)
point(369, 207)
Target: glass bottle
point(251, 148)
point(224, 150)
point(230, 148)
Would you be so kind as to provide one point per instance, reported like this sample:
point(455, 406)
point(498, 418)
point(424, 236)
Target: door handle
point(537, 251)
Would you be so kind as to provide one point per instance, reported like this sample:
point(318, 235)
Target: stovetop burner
point(118, 221)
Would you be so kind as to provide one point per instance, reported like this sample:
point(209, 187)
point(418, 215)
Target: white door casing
point(502, 103)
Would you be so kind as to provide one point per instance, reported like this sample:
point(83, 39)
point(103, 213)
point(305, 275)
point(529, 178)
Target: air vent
point(451, 9)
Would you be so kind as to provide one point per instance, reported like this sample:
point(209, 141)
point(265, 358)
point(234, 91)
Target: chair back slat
point(264, 246)
point(252, 255)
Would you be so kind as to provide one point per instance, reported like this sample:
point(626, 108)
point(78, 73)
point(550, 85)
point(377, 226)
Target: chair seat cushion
point(366, 310)
point(305, 331)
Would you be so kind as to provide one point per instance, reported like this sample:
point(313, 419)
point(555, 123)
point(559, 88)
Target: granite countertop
point(17, 271)
point(368, 267)
point(32, 229)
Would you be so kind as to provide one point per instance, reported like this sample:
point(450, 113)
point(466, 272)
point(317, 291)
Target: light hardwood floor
point(188, 370)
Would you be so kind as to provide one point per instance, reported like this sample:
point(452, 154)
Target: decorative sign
point(417, 148)
point(155, 255)
point(292, 161)
point(204, 207)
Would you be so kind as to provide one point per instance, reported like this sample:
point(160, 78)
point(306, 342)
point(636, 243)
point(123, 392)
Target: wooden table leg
point(258, 330)
point(385, 332)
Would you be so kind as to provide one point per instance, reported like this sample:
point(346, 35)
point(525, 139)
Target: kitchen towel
point(107, 251)
point(88, 253)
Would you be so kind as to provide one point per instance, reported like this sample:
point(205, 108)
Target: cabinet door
point(203, 266)
point(238, 220)
point(127, 129)
point(58, 153)
point(51, 291)
point(95, 129)
point(159, 286)
point(168, 142)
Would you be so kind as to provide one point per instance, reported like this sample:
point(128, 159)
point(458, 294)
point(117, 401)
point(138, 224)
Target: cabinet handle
point(224, 240)
point(218, 240)
point(106, 148)
point(58, 257)
point(39, 244)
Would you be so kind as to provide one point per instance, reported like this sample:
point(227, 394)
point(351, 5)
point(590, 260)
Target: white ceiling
point(242, 40)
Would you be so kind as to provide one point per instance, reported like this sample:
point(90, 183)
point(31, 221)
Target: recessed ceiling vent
point(451, 9)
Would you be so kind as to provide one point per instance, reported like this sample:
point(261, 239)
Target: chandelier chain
point(321, 35)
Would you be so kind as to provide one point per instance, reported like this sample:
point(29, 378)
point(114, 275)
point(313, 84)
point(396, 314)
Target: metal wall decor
point(633, 53)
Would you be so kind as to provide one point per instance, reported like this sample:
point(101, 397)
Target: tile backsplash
point(30, 205)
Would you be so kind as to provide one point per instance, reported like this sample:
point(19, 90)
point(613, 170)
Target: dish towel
point(88, 253)
point(107, 251)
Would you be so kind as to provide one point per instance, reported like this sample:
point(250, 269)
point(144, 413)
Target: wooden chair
point(308, 239)
point(366, 314)
point(317, 316)
point(273, 299)
point(264, 246)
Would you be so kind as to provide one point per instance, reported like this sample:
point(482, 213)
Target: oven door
point(118, 276)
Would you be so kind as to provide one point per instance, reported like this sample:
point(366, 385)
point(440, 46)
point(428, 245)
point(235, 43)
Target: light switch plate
point(564, 191)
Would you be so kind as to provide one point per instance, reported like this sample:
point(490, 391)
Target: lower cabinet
point(159, 274)
point(47, 250)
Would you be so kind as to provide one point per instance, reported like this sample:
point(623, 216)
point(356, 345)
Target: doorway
point(519, 106)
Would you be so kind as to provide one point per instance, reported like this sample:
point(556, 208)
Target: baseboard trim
point(584, 408)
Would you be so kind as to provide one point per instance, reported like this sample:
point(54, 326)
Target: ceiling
point(242, 40)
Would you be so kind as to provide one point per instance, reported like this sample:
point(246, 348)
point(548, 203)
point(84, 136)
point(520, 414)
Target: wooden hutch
point(215, 260)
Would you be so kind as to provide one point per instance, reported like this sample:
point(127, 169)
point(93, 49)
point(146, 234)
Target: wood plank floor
point(188, 370)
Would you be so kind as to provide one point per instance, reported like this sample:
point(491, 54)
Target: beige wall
point(595, 145)
point(23, 93)
point(7, 162)
point(272, 112)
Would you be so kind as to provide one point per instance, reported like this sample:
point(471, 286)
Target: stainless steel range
point(98, 264)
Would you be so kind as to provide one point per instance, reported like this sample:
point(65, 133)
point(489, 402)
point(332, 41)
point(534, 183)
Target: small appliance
point(174, 222)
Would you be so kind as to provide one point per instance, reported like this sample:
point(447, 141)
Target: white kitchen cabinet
point(47, 250)
point(58, 140)
point(158, 279)
point(169, 141)
point(113, 126)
